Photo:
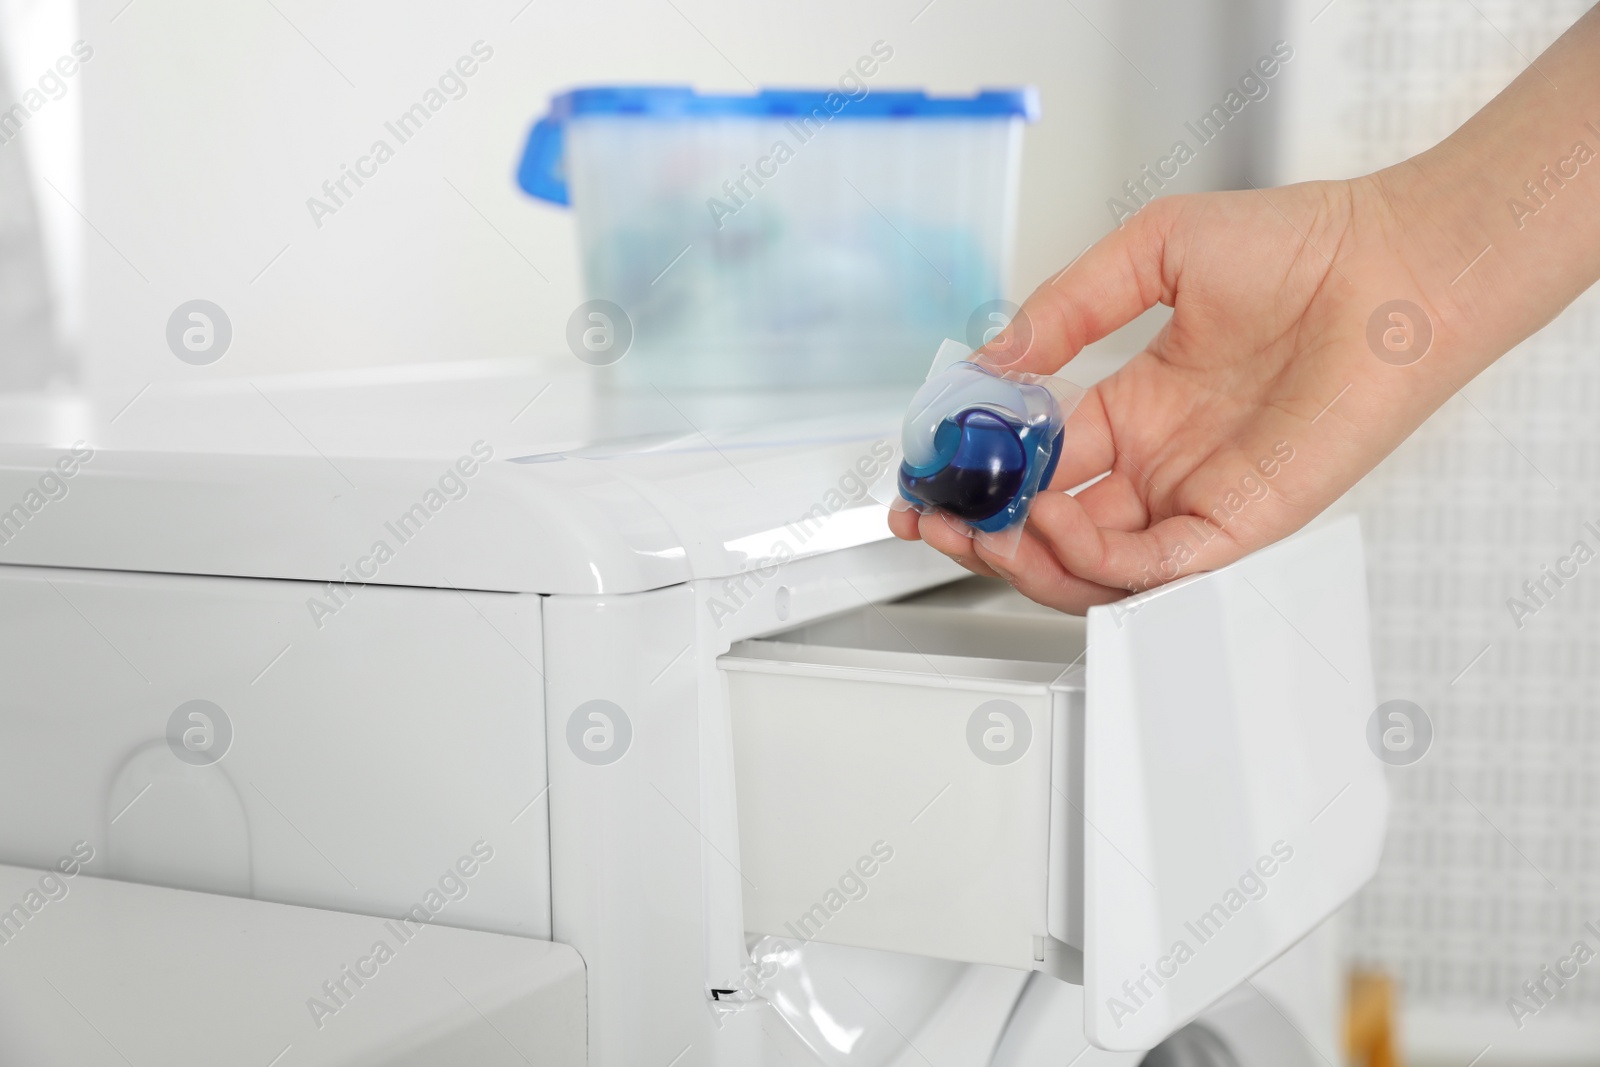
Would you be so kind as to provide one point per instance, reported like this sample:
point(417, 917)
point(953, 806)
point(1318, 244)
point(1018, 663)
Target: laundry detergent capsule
point(979, 443)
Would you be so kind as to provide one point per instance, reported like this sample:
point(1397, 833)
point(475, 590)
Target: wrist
point(1499, 224)
point(1439, 207)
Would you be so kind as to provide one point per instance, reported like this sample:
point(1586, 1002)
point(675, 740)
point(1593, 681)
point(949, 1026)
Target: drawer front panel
point(908, 814)
point(368, 749)
point(1231, 800)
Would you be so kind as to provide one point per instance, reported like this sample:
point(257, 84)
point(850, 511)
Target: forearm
point(1505, 213)
point(1284, 302)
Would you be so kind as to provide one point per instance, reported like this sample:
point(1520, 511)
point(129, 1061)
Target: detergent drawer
point(908, 777)
point(1156, 800)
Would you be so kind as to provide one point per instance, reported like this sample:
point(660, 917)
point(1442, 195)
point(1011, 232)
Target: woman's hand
point(1258, 404)
point(1313, 328)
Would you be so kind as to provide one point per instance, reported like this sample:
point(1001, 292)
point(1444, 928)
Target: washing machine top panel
point(516, 476)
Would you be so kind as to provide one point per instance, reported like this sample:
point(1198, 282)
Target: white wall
point(34, 36)
point(209, 124)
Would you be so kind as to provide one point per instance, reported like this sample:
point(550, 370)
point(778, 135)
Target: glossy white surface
point(853, 1007)
point(406, 718)
point(582, 492)
point(366, 757)
point(1226, 723)
point(1046, 1030)
point(645, 868)
point(1216, 733)
point(104, 974)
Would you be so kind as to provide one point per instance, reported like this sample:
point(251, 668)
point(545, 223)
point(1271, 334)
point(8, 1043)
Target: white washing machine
point(626, 730)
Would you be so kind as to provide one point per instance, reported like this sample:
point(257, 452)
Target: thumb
point(1119, 278)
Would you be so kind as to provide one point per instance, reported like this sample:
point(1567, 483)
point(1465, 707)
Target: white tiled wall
point(1493, 863)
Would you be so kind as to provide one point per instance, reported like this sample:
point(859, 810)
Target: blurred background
point(176, 161)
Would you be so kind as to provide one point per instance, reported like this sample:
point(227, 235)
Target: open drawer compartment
point(1155, 800)
point(896, 768)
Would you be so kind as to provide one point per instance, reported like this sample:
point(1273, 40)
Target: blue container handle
point(542, 172)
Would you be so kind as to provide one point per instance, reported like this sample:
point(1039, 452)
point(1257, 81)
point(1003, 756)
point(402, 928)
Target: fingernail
point(956, 524)
point(1000, 569)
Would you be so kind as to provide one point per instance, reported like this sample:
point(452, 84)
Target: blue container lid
point(677, 101)
point(542, 172)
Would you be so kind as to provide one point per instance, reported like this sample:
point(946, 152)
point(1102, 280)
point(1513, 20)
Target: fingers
point(954, 538)
point(948, 535)
point(1080, 551)
point(1110, 285)
point(903, 524)
point(1035, 572)
point(1115, 503)
point(1086, 443)
point(1132, 560)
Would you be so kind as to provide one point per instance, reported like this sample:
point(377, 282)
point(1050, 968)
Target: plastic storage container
point(786, 238)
